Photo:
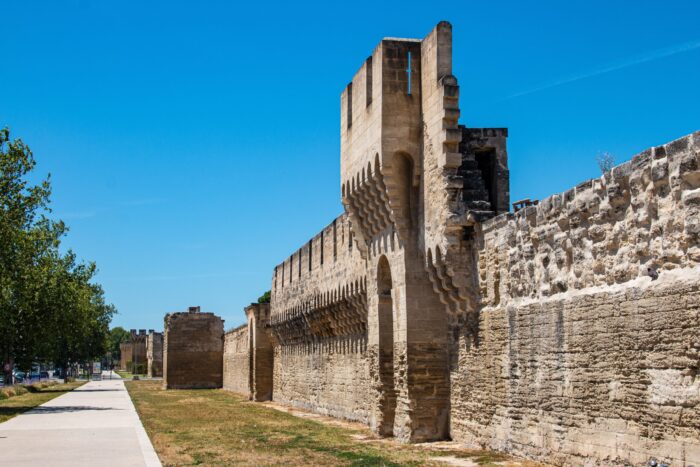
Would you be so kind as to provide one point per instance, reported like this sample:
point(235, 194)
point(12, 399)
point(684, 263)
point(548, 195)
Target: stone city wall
point(318, 307)
point(566, 331)
point(237, 360)
point(589, 331)
point(154, 354)
point(330, 378)
point(126, 355)
point(193, 350)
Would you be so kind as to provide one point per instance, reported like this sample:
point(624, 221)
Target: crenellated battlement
point(328, 262)
point(565, 331)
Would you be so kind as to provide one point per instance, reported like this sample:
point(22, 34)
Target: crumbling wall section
point(588, 345)
point(193, 350)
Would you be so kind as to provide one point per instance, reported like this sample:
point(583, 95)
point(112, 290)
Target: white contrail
point(636, 60)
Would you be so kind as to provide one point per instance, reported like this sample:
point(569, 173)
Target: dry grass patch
point(215, 427)
point(32, 396)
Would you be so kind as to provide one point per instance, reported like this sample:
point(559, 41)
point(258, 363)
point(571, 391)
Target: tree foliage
point(264, 298)
point(606, 162)
point(117, 335)
point(50, 308)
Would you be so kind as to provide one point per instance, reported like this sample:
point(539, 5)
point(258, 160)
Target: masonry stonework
point(237, 371)
point(154, 354)
point(589, 330)
point(193, 350)
point(248, 355)
point(567, 331)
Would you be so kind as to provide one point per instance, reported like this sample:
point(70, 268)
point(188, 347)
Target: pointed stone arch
point(385, 315)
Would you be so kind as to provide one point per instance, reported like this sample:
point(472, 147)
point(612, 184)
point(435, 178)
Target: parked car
point(19, 376)
point(44, 375)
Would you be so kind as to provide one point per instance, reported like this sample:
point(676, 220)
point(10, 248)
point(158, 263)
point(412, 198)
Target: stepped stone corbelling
point(567, 331)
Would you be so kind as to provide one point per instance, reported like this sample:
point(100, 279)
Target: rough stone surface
point(589, 331)
point(567, 331)
point(154, 354)
point(193, 350)
point(248, 355)
point(237, 372)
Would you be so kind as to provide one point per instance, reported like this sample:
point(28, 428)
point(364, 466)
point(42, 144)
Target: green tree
point(79, 314)
point(50, 310)
point(117, 335)
point(26, 235)
point(264, 298)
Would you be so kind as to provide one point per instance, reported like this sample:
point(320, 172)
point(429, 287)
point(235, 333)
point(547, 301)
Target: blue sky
point(194, 145)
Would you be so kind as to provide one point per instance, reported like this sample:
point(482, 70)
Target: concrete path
point(94, 425)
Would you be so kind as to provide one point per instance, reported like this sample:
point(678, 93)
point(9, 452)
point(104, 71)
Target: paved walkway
point(94, 425)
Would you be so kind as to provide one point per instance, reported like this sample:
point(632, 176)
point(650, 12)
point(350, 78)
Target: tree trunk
point(7, 366)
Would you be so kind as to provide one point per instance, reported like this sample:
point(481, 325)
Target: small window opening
point(322, 242)
point(368, 81)
point(408, 72)
point(349, 103)
point(335, 242)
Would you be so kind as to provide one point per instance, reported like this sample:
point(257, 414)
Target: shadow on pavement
point(97, 390)
point(12, 411)
point(68, 408)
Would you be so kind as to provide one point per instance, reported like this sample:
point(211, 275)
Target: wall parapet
point(640, 218)
point(327, 273)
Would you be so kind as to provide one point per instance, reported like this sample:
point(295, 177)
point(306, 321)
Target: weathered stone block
point(193, 350)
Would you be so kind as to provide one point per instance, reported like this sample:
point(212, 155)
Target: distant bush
point(264, 298)
point(606, 162)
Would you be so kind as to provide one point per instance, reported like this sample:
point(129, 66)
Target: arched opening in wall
point(387, 399)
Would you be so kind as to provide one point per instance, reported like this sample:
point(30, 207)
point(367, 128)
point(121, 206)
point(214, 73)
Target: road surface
point(93, 425)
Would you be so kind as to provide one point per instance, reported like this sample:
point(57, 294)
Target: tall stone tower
point(415, 184)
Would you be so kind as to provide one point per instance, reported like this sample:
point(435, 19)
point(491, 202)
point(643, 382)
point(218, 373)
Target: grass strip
point(36, 395)
point(216, 427)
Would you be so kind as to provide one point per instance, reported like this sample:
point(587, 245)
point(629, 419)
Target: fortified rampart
point(237, 371)
point(566, 331)
point(318, 308)
point(193, 350)
point(589, 332)
point(248, 355)
point(154, 354)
